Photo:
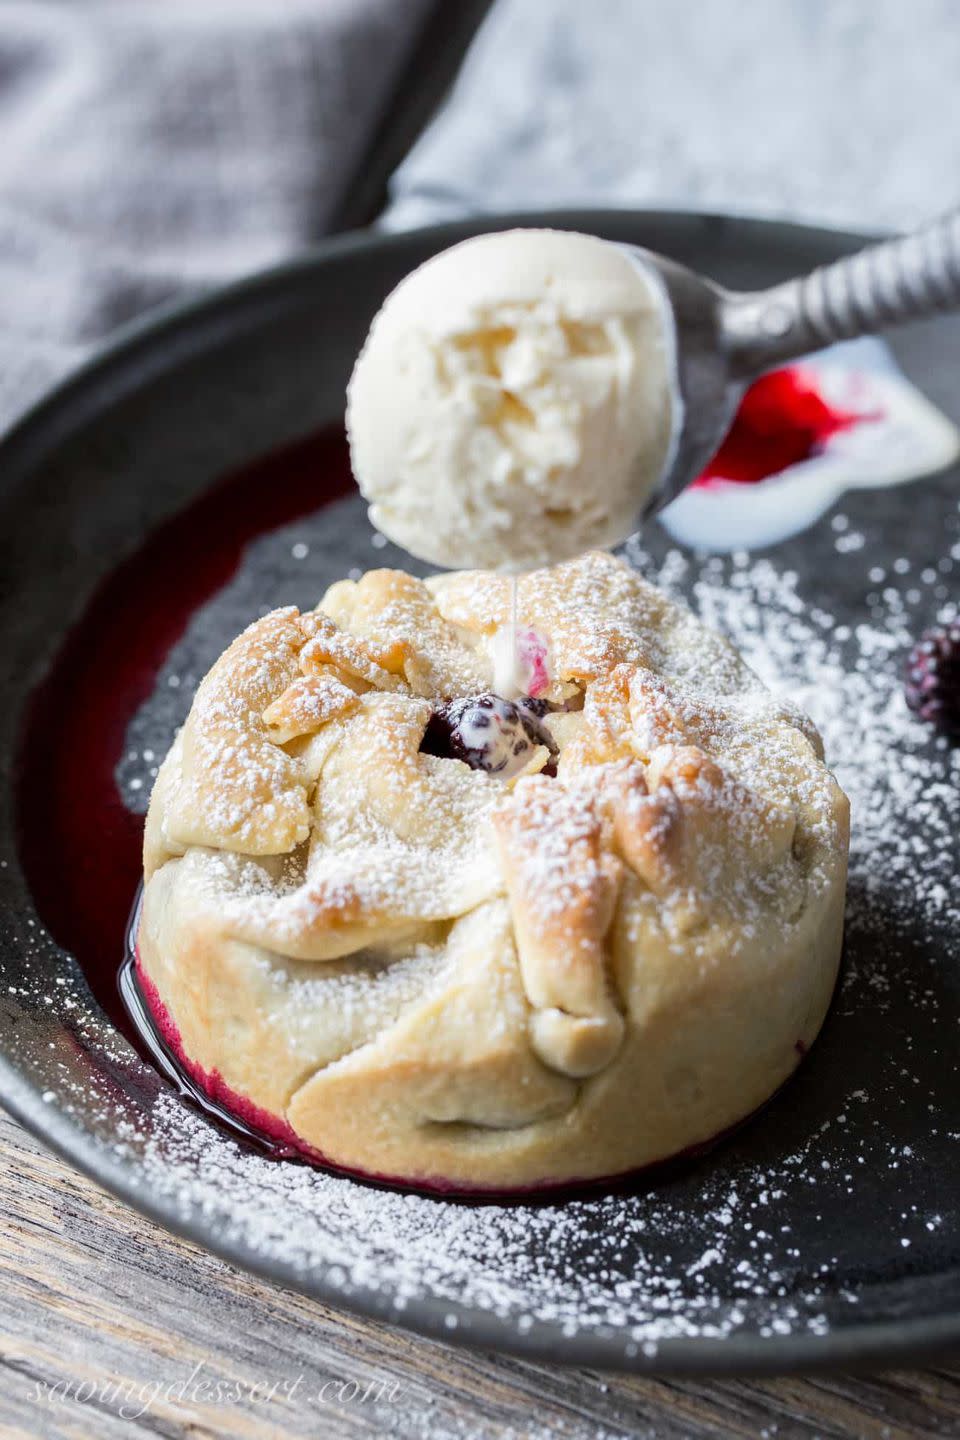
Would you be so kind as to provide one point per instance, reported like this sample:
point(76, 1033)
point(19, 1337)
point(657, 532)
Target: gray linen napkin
point(841, 111)
point(151, 149)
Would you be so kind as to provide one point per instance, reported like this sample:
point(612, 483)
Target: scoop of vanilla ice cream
point(514, 402)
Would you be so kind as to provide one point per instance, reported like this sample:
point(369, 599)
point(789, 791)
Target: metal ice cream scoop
point(725, 339)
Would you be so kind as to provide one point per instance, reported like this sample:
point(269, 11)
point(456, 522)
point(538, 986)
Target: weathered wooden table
point(110, 1326)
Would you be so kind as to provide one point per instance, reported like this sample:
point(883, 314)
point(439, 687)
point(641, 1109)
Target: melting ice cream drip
point(521, 656)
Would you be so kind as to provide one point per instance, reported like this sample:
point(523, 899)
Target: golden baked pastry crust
point(439, 976)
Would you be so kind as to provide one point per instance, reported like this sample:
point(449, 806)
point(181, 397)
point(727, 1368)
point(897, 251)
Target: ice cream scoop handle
point(896, 280)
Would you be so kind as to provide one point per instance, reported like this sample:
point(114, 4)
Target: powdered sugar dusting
point(849, 679)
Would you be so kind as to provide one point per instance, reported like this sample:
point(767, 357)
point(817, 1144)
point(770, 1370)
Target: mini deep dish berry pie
point(430, 934)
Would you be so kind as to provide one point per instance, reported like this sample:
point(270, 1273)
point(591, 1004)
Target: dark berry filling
point(488, 733)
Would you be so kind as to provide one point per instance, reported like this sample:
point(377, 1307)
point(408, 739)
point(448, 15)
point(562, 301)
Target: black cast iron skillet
point(137, 435)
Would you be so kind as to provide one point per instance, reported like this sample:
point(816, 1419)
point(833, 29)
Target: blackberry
point(933, 678)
